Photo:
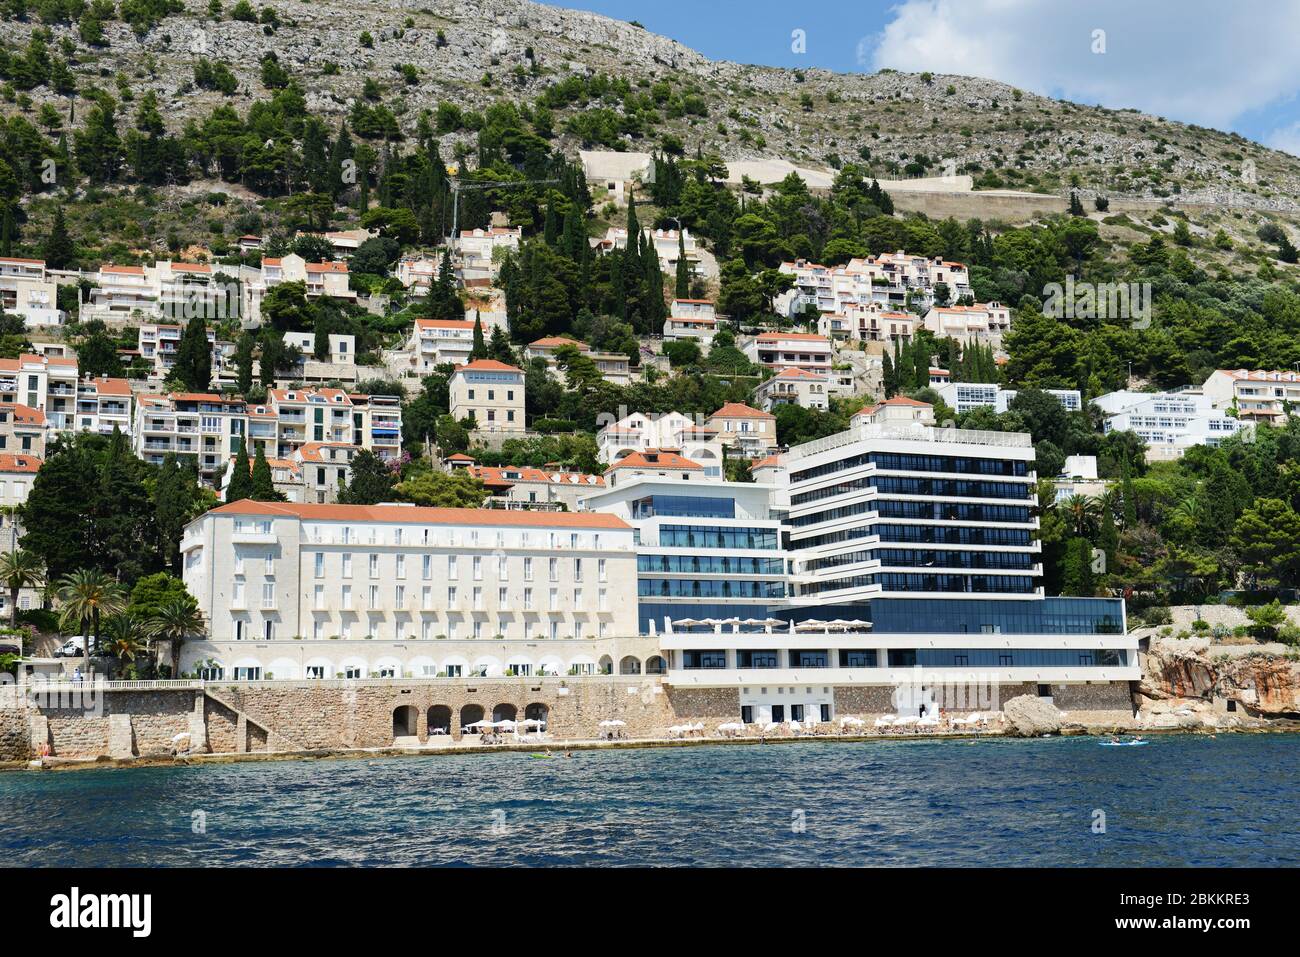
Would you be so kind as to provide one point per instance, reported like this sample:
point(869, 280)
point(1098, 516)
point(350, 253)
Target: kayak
point(1123, 744)
point(541, 755)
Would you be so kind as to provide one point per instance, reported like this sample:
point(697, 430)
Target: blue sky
point(1230, 66)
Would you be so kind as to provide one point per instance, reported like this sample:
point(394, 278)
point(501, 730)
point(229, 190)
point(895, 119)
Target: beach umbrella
point(687, 622)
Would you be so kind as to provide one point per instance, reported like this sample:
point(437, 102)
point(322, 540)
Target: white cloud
point(1193, 60)
point(1285, 138)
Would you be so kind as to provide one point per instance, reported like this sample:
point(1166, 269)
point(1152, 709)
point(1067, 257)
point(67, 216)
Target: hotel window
point(374, 565)
point(453, 571)
point(268, 630)
point(401, 566)
point(501, 598)
point(315, 672)
point(353, 671)
point(399, 596)
point(601, 572)
point(316, 630)
point(347, 565)
point(555, 630)
point(577, 629)
point(573, 539)
point(453, 671)
point(426, 627)
point(528, 569)
point(602, 599)
point(528, 631)
point(478, 568)
point(320, 564)
point(426, 598)
point(555, 599)
point(451, 597)
point(577, 599)
point(318, 600)
point(603, 629)
point(503, 568)
point(347, 597)
point(237, 596)
point(478, 598)
point(269, 564)
point(397, 536)
point(555, 569)
point(577, 569)
point(373, 601)
point(528, 599)
point(452, 629)
point(239, 630)
point(478, 629)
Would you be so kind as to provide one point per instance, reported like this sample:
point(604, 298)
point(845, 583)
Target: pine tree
point(59, 251)
point(241, 479)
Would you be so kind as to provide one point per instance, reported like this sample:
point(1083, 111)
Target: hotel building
point(449, 591)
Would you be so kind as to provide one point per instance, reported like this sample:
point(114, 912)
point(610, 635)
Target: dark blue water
point(1179, 801)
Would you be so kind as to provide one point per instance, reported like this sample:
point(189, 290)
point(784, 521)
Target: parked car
point(72, 648)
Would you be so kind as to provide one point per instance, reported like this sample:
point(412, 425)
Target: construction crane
point(458, 185)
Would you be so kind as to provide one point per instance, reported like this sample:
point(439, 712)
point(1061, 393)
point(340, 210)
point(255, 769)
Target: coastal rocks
point(15, 735)
point(1029, 716)
point(1255, 682)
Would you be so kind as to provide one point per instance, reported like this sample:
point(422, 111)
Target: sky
point(1229, 65)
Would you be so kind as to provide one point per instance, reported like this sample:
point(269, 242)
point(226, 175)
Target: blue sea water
point(1182, 801)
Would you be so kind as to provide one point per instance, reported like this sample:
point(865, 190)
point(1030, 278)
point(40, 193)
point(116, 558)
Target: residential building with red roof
point(790, 350)
point(28, 291)
point(750, 432)
point(641, 431)
point(489, 392)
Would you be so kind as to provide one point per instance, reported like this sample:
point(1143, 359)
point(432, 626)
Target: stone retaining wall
point(286, 716)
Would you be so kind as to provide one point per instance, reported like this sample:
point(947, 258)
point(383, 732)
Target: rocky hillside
point(472, 52)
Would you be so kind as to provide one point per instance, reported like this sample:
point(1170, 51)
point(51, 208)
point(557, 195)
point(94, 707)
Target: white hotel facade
point(894, 554)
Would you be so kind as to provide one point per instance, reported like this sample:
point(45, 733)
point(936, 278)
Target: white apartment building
point(964, 396)
point(377, 424)
point(22, 430)
point(479, 250)
point(1168, 422)
point(750, 432)
point(794, 387)
point(103, 404)
point(614, 367)
point(1257, 395)
point(319, 279)
point(790, 350)
point(207, 426)
point(642, 431)
point(275, 571)
point(489, 392)
point(307, 415)
point(656, 463)
point(432, 343)
point(896, 282)
point(417, 274)
point(44, 382)
point(120, 293)
point(28, 291)
point(983, 322)
point(691, 320)
point(667, 246)
point(528, 487)
point(158, 342)
point(339, 366)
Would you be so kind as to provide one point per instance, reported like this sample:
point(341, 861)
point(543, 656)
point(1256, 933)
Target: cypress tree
point(480, 349)
point(59, 250)
point(194, 356)
point(1126, 490)
point(241, 479)
point(263, 482)
point(683, 289)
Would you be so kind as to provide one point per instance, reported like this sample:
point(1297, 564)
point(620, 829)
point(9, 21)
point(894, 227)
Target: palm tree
point(88, 597)
point(173, 622)
point(1082, 511)
point(127, 634)
point(18, 570)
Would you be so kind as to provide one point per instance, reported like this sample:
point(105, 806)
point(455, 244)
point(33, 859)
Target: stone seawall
point(235, 718)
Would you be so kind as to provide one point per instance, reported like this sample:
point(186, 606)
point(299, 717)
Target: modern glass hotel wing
point(871, 555)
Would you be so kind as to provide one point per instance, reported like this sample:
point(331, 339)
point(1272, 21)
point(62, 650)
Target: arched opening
point(655, 665)
point(504, 712)
point(605, 665)
point(470, 714)
point(440, 719)
point(405, 719)
point(630, 665)
point(538, 712)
